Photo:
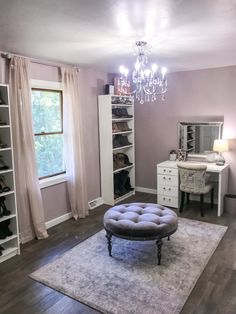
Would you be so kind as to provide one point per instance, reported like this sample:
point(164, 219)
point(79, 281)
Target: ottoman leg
point(109, 236)
point(159, 245)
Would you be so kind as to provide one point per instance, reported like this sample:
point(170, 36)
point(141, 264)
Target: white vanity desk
point(168, 183)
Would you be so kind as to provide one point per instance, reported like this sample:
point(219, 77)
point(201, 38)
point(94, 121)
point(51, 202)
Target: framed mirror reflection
point(198, 138)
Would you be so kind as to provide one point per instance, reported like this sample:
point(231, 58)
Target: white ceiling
point(184, 34)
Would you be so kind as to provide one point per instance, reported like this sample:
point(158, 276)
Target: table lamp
point(220, 146)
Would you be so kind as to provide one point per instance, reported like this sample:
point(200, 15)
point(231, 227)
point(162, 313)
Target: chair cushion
point(144, 220)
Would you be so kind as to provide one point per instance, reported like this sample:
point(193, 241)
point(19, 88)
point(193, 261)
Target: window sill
point(44, 183)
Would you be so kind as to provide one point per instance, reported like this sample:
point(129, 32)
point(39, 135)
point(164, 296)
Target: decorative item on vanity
point(182, 155)
point(220, 146)
point(173, 155)
point(148, 83)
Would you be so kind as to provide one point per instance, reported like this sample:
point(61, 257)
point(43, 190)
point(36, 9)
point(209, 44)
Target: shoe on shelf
point(3, 166)
point(3, 186)
point(2, 102)
point(125, 114)
point(3, 208)
point(125, 127)
point(116, 142)
point(1, 249)
point(4, 229)
point(116, 127)
point(124, 141)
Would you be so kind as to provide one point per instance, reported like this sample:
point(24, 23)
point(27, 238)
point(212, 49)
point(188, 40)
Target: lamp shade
point(221, 146)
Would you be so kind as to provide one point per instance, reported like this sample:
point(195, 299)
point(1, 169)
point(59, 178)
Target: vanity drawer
point(169, 201)
point(167, 180)
point(166, 170)
point(167, 190)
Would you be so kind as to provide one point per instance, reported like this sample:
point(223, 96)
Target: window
point(48, 131)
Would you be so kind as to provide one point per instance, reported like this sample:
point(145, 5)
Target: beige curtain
point(73, 144)
point(29, 200)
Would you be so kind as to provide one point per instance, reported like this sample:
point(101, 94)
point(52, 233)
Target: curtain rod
point(9, 55)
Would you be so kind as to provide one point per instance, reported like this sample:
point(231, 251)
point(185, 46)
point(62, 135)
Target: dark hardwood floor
point(214, 292)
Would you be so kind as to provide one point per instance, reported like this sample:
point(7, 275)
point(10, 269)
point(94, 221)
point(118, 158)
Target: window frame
point(53, 179)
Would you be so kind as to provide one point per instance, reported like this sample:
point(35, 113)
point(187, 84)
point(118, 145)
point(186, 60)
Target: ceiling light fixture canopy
point(149, 84)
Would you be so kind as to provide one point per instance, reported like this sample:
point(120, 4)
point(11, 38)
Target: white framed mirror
point(197, 138)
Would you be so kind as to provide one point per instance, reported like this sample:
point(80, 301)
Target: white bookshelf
point(10, 244)
point(105, 105)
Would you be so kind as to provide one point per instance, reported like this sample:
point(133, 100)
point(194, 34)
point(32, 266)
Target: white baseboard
point(95, 203)
point(145, 190)
point(58, 220)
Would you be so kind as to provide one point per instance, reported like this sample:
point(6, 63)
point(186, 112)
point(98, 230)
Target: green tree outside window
point(48, 130)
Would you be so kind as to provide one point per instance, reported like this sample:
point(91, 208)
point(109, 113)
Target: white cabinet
point(116, 133)
point(167, 184)
point(9, 234)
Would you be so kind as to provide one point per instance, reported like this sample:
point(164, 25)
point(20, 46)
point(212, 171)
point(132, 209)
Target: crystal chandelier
point(148, 83)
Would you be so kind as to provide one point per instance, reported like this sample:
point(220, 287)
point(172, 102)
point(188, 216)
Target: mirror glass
point(198, 138)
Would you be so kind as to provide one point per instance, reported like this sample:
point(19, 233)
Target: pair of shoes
point(120, 160)
point(3, 186)
point(1, 249)
point(4, 229)
point(120, 140)
point(120, 127)
point(122, 184)
point(3, 209)
point(120, 113)
point(121, 101)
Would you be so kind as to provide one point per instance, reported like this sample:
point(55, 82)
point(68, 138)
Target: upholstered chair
point(194, 180)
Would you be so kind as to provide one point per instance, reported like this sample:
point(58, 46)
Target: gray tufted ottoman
point(140, 222)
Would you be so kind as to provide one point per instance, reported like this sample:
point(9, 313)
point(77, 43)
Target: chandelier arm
point(154, 92)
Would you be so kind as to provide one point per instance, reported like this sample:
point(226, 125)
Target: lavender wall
point(204, 95)
point(91, 85)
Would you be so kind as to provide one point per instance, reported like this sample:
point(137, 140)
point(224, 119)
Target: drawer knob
point(169, 179)
point(164, 198)
point(169, 171)
point(164, 170)
point(169, 189)
point(169, 199)
point(164, 188)
point(164, 178)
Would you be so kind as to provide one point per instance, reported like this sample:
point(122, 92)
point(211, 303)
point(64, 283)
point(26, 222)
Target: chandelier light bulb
point(164, 71)
point(126, 72)
point(154, 67)
point(122, 68)
point(137, 66)
point(147, 72)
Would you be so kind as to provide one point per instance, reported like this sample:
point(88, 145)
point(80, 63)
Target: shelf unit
point(105, 104)
point(187, 135)
point(10, 244)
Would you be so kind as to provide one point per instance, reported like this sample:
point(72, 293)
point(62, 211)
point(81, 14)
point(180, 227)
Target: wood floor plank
point(214, 292)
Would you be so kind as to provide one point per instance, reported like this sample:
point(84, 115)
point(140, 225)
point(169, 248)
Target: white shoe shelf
point(106, 136)
point(9, 245)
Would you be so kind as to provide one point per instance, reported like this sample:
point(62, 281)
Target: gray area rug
point(131, 281)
